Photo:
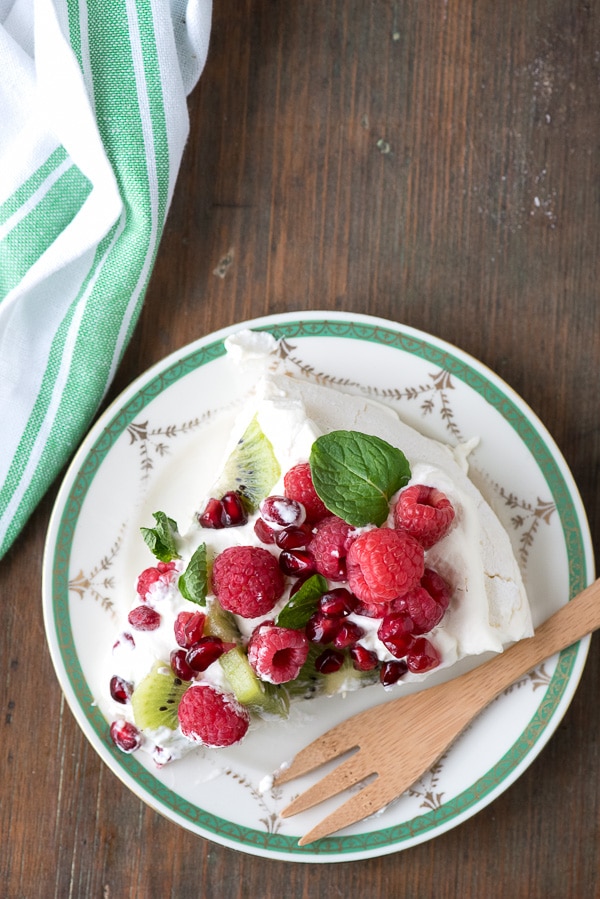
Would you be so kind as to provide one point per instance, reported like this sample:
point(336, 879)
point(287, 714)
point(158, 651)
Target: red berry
point(277, 653)
point(247, 580)
point(321, 629)
point(425, 512)
point(363, 659)
point(189, 627)
point(120, 689)
point(150, 576)
point(329, 546)
point(212, 717)
point(347, 634)
point(391, 672)
point(298, 485)
point(179, 665)
point(206, 651)
point(144, 618)
point(125, 735)
point(338, 603)
point(329, 661)
point(396, 633)
point(437, 587)
point(423, 656)
point(384, 563)
point(281, 511)
point(296, 562)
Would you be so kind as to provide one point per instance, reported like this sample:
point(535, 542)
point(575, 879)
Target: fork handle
point(576, 619)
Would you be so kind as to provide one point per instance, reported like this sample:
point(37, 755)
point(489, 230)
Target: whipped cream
point(489, 607)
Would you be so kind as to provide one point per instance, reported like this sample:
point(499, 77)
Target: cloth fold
point(93, 123)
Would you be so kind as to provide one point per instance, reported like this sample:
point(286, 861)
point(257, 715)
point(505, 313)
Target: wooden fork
point(400, 740)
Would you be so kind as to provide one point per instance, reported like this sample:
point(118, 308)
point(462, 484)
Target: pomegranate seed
point(396, 633)
point(179, 665)
point(206, 651)
point(320, 629)
point(423, 656)
point(295, 536)
point(120, 689)
point(212, 517)
point(264, 533)
point(189, 627)
point(348, 633)
point(125, 736)
point(296, 562)
point(281, 511)
point(234, 513)
point(363, 659)
point(329, 661)
point(338, 603)
point(437, 587)
point(143, 618)
point(391, 672)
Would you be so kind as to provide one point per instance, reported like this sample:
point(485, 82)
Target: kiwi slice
point(249, 689)
point(221, 623)
point(252, 468)
point(347, 679)
point(156, 698)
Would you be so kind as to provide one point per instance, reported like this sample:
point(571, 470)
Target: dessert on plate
point(338, 548)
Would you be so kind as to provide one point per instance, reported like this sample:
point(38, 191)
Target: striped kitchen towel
point(93, 122)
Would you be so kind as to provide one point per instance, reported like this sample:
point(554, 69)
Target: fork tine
point(350, 772)
point(372, 798)
point(326, 748)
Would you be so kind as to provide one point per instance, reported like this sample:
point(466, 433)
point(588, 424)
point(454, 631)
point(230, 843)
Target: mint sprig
point(303, 603)
point(161, 540)
point(356, 474)
point(193, 583)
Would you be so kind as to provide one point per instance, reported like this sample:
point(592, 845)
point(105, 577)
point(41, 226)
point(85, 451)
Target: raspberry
point(277, 653)
point(298, 485)
point(421, 608)
point(427, 603)
point(425, 512)
point(382, 564)
point(149, 576)
point(437, 587)
point(329, 547)
point(247, 580)
point(143, 618)
point(212, 717)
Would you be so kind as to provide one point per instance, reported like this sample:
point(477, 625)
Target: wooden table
point(435, 163)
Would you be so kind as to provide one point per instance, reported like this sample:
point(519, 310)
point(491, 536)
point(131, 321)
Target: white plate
point(157, 441)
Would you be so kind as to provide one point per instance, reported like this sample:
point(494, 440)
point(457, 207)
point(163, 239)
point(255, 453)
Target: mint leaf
point(303, 603)
point(356, 475)
point(161, 539)
point(194, 580)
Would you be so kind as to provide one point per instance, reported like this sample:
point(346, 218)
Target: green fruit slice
point(252, 468)
point(249, 689)
point(156, 698)
point(347, 679)
point(221, 623)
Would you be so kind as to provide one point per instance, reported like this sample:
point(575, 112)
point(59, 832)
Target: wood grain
point(433, 162)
